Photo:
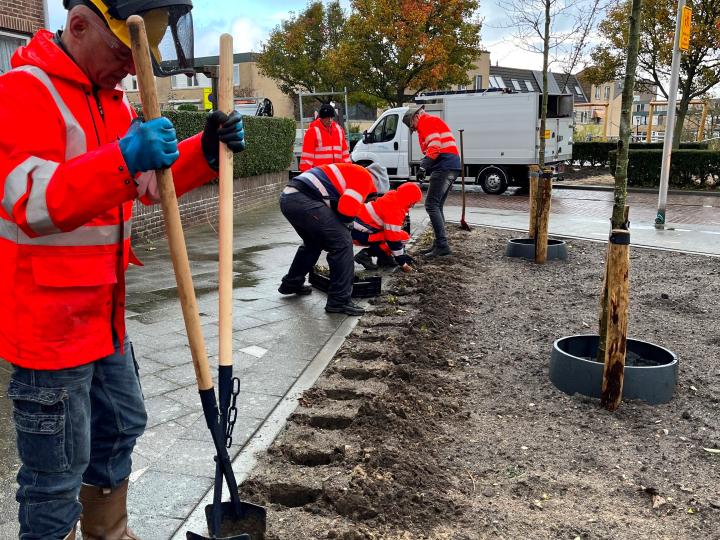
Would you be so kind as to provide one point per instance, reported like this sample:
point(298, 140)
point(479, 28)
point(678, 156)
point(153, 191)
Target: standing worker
point(324, 142)
point(442, 163)
point(319, 204)
point(72, 161)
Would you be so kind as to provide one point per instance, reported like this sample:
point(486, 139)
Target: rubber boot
point(104, 515)
point(71, 534)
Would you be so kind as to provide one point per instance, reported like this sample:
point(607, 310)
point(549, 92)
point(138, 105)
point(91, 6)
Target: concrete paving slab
point(153, 386)
point(159, 494)
point(162, 409)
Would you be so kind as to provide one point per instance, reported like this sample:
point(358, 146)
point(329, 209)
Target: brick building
point(19, 20)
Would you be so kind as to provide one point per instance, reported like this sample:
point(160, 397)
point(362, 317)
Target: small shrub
point(187, 107)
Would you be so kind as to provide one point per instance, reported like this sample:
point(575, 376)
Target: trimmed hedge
point(597, 153)
point(688, 168)
point(269, 141)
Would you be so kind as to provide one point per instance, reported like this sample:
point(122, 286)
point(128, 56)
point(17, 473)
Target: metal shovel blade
point(248, 525)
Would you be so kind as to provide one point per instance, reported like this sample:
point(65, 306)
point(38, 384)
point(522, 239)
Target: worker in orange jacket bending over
point(379, 226)
point(324, 142)
point(319, 204)
point(72, 162)
point(442, 163)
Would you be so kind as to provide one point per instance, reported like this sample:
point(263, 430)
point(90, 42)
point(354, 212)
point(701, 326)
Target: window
point(597, 92)
point(496, 81)
point(478, 82)
point(578, 90)
point(195, 81)
point(660, 120)
point(516, 85)
point(607, 92)
point(462, 87)
point(529, 86)
point(386, 129)
point(8, 44)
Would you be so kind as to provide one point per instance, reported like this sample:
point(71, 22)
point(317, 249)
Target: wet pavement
point(277, 342)
point(275, 339)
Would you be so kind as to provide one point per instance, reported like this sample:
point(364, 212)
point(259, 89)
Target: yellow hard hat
point(172, 50)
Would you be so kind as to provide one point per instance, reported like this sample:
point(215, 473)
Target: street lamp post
point(670, 124)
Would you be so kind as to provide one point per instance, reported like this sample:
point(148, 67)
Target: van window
point(386, 129)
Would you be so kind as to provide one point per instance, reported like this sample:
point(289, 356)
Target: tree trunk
point(616, 326)
point(543, 111)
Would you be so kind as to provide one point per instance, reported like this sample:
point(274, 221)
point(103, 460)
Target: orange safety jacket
point(437, 143)
point(323, 146)
point(343, 187)
point(381, 221)
point(66, 211)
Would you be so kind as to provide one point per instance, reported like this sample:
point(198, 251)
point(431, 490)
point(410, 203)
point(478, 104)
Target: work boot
point(104, 515)
point(386, 261)
point(439, 252)
point(300, 290)
point(363, 258)
point(348, 309)
point(71, 534)
point(427, 250)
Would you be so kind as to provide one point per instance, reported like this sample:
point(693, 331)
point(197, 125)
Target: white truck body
point(500, 135)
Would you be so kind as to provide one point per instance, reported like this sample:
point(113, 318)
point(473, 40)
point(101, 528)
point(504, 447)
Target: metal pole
point(670, 124)
point(302, 126)
point(347, 119)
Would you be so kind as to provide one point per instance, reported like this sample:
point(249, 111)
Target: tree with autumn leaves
point(389, 50)
point(699, 67)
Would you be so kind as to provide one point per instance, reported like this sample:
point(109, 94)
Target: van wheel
point(493, 180)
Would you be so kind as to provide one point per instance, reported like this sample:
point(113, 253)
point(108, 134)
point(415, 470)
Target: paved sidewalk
point(275, 339)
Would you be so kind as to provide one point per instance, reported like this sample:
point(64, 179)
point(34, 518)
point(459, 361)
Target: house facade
point(19, 20)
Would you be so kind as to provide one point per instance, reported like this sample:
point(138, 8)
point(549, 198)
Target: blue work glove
point(150, 145)
point(220, 127)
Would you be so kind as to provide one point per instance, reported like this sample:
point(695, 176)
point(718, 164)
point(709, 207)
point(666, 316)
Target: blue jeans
point(440, 185)
point(76, 425)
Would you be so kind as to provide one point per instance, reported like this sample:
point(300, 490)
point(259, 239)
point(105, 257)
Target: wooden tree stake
point(543, 197)
point(618, 275)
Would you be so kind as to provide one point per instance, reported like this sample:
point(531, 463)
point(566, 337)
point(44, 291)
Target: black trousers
point(321, 230)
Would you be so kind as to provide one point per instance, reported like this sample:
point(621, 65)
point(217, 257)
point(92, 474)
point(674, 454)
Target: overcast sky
point(250, 22)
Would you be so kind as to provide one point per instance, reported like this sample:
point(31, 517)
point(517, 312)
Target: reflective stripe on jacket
point(382, 221)
point(438, 144)
point(65, 211)
point(342, 186)
point(323, 146)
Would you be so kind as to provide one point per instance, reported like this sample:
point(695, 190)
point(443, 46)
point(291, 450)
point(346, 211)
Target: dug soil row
point(436, 420)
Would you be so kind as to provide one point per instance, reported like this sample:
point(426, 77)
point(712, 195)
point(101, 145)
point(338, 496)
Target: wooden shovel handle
point(225, 278)
point(171, 213)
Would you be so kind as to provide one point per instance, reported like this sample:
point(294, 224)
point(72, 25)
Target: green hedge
point(269, 141)
point(597, 153)
point(688, 168)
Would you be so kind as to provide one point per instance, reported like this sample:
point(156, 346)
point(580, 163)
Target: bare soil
point(437, 420)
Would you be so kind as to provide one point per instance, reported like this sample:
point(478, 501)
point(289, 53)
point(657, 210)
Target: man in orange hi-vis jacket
point(324, 141)
point(73, 159)
point(442, 163)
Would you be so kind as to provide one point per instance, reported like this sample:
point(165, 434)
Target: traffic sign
point(685, 29)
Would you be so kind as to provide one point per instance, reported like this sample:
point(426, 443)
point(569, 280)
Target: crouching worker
point(379, 226)
point(72, 162)
point(320, 204)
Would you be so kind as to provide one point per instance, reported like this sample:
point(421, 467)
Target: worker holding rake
point(71, 166)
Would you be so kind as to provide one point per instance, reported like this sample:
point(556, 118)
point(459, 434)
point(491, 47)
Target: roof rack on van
point(432, 95)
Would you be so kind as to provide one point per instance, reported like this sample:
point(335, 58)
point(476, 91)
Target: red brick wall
point(22, 16)
point(201, 205)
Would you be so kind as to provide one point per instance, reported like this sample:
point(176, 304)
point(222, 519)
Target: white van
point(501, 135)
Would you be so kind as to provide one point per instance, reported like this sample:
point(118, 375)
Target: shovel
point(246, 521)
point(463, 224)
